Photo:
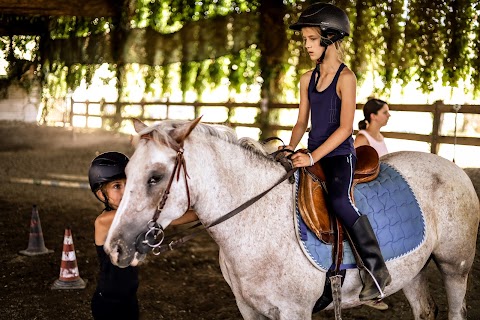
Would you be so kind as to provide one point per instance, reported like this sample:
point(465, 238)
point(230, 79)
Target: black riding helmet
point(329, 18)
point(106, 167)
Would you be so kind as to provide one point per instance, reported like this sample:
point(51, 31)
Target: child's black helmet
point(329, 18)
point(106, 167)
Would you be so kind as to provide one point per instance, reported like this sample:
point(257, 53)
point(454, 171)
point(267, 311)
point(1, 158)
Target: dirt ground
point(182, 284)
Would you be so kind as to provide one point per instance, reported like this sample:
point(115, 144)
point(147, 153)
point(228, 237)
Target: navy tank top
point(325, 109)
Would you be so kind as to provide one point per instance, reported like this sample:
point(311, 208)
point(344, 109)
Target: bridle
point(152, 239)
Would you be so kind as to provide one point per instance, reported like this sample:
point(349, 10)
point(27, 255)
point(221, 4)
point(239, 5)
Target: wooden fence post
point(70, 116)
point(229, 111)
point(167, 113)
point(142, 108)
point(437, 125)
point(196, 108)
point(87, 112)
point(102, 112)
point(263, 119)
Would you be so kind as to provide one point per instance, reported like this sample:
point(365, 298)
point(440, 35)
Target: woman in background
point(376, 113)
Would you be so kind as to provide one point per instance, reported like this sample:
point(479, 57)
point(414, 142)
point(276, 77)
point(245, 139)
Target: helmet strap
point(320, 60)
point(105, 201)
point(326, 42)
point(107, 204)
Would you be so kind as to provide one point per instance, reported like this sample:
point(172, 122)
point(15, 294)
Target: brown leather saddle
point(312, 195)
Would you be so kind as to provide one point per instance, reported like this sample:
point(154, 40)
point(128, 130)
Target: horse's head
point(156, 183)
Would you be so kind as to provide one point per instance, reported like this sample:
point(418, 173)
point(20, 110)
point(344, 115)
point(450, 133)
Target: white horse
point(260, 256)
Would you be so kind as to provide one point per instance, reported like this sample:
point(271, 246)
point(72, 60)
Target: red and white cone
point(36, 245)
point(69, 274)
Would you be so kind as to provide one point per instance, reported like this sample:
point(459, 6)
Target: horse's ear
point(181, 133)
point(138, 125)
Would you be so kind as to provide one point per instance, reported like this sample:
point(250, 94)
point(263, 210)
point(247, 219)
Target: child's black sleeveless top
point(114, 282)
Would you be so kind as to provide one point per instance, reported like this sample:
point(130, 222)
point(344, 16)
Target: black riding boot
point(375, 275)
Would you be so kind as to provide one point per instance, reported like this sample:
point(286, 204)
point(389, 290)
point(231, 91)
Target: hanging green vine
point(235, 75)
point(244, 68)
point(422, 40)
point(475, 54)
point(150, 76)
point(425, 38)
point(362, 36)
point(216, 72)
point(66, 27)
point(167, 80)
point(391, 49)
point(201, 78)
point(188, 71)
point(459, 26)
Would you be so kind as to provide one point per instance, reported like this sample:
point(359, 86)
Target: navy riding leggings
point(339, 171)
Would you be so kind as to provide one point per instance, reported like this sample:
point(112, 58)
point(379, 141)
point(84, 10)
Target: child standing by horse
point(116, 294)
point(328, 96)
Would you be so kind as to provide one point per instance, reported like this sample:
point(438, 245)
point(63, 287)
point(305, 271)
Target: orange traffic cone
point(69, 275)
point(36, 245)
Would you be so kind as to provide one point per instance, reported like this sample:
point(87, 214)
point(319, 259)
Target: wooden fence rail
point(437, 110)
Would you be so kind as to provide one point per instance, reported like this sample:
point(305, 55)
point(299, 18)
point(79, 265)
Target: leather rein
point(152, 239)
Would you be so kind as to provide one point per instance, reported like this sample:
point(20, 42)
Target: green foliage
point(363, 38)
point(66, 27)
point(167, 80)
point(475, 53)
point(187, 76)
point(422, 40)
point(201, 78)
point(426, 37)
point(391, 42)
point(167, 16)
point(151, 76)
point(458, 28)
point(55, 74)
point(216, 71)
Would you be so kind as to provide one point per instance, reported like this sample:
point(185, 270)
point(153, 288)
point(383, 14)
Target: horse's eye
point(154, 180)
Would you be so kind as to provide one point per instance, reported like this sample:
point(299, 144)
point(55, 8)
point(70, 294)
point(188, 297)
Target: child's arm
point(102, 225)
point(189, 216)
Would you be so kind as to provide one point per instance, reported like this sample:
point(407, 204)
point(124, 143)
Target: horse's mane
point(160, 133)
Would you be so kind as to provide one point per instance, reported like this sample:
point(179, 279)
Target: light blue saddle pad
point(393, 211)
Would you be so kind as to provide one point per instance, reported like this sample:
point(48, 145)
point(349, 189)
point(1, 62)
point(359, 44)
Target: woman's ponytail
point(362, 125)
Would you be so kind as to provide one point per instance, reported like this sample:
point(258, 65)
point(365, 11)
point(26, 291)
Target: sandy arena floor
point(183, 284)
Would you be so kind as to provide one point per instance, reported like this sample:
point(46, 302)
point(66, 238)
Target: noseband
point(153, 237)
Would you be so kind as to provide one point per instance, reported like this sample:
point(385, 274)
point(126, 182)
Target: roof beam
point(84, 8)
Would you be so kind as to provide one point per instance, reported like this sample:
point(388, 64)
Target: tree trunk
point(273, 44)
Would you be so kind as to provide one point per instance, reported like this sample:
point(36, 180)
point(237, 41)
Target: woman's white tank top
point(380, 146)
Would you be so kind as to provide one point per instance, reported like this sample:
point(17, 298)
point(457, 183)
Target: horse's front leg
point(248, 313)
point(255, 305)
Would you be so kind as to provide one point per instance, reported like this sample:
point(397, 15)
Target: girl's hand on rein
point(301, 160)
